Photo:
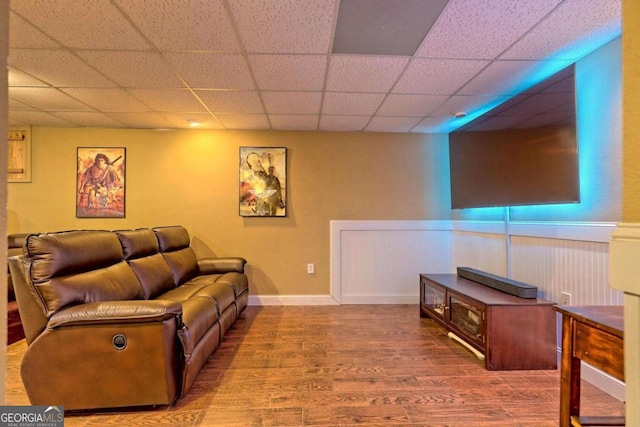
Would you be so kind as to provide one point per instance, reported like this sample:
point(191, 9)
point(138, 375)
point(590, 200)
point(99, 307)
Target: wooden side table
point(593, 334)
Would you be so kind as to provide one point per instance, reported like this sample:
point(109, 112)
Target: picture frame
point(263, 182)
point(19, 154)
point(101, 182)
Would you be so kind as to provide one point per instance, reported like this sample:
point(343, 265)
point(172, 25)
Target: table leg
point(569, 376)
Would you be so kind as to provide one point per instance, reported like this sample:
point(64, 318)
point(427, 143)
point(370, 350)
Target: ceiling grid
point(255, 64)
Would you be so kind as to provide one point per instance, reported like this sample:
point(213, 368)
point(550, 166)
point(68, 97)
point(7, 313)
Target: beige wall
point(631, 109)
point(631, 197)
point(190, 177)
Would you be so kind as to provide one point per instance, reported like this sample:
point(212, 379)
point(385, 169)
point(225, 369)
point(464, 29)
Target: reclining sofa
point(14, 324)
point(120, 318)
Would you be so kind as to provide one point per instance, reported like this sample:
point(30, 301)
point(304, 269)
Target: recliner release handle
point(119, 342)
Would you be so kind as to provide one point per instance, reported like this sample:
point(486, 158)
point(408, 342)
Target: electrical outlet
point(311, 268)
point(565, 298)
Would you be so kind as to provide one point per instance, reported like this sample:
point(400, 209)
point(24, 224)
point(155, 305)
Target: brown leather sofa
point(121, 318)
point(14, 324)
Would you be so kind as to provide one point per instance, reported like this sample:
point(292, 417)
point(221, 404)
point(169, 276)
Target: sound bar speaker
point(503, 284)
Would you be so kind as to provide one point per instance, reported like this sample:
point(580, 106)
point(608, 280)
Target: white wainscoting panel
point(379, 262)
point(580, 268)
point(480, 250)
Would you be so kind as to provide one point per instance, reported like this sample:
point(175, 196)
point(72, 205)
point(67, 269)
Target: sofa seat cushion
point(199, 316)
point(221, 292)
point(238, 281)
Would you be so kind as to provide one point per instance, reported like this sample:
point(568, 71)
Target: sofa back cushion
point(76, 267)
point(137, 243)
point(174, 243)
point(140, 249)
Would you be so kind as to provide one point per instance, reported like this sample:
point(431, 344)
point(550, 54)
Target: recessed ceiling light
point(459, 114)
point(193, 123)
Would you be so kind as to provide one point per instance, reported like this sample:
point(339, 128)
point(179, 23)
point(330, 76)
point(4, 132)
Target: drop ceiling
point(288, 64)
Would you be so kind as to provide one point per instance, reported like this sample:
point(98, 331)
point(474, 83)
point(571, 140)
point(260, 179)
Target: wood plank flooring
point(373, 365)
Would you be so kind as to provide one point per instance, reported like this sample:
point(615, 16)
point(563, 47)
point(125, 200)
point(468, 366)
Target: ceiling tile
point(308, 24)
point(410, 105)
point(244, 121)
point(46, 99)
point(142, 120)
point(466, 103)
point(18, 78)
point(294, 121)
point(45, 119)
point(116, 100)
point(457, 33)
point(169, 100)
point(93, 24)
point(562, 36)
point(289, 72)
point(343, 123)
point(364, 73)
point(42, 118)
point(19, 106)
point(23, 34)
point(432, 125)
point(292, 102)
point(89, 119)
point(205, 120)
point(392, 124)
point(544, 120)
point(510, 77)
point(186, 24)
point(203, 70)
point(231, 102)
point(430, 76)
point(357, 104)
point(143, 69)
point(57, 67)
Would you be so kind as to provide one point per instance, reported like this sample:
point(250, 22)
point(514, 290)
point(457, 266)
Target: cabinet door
point(468, 317)
point(432, 297)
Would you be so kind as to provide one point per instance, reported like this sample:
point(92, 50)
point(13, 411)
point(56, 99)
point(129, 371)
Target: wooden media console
point(509, 332)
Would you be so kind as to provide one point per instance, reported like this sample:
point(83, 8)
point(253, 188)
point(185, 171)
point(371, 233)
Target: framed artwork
point(100, 191)
point(263, 181)
point(19, 155)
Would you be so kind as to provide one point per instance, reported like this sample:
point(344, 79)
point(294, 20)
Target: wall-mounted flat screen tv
point(523, 152)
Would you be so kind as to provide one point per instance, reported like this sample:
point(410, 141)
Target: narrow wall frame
point(19, 154)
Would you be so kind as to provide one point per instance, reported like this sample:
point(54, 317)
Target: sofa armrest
point(221, 265)
point(138, 311)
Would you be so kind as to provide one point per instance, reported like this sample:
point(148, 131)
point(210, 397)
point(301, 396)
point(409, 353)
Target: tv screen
point(523, 152)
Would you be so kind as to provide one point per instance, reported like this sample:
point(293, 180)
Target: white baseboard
point(604, 382)
point(262, 300)
point(380, 299)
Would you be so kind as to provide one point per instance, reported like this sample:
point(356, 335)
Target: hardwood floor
point(374, 365)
